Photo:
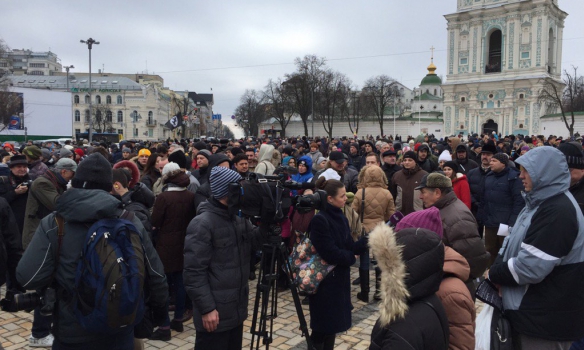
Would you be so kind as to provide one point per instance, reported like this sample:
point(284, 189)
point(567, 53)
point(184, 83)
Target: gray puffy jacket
point(216, 268)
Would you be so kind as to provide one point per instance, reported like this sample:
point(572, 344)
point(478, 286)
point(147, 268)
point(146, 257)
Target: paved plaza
point(15, 328)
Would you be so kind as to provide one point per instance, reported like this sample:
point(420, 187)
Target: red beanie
point(417, 146)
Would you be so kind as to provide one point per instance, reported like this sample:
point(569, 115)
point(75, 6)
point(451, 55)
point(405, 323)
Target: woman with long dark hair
point(330, 307)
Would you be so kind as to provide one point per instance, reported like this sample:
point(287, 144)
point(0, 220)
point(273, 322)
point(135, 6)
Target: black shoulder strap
point(444, 329)
point(362, 205)
point(128, 215)
point(60, 234)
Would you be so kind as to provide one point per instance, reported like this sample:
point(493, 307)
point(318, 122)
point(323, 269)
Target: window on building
point(464, 61)
point(36, 72)
point(76, 99)
point(435, 91)
point(108, 116)
point(108, 100)
point(521, 96)
point(482, 104)
point(150, 118)
point(494, 57)
point(551, 44)
point(120, 131)
point(98, 99)
point(87, 99)
point(150, 132)
point(77, 131)
point(135, 116)
point(120, 117)
point(87, 115)
point(135, 131)
point(463, 99)
point(525, 55)
point(98, 116)
point(37, 65)
point(498, 104)
point(119, 99)
point(77, 116)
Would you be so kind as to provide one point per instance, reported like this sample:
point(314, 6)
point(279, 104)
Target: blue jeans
point(175, 280)
point(41, 325)
point(364, 260)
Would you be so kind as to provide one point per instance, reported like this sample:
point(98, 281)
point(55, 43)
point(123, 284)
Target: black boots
point(377, 295)
point(363, 295)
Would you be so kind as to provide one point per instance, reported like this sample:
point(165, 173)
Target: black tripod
point(274, 254)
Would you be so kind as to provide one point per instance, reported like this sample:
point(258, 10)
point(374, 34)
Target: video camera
point(267, 198)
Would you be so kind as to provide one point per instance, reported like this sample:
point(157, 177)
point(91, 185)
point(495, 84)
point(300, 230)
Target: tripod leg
point(266, 284)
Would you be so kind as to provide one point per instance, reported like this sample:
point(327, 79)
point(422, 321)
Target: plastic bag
point(483, 328)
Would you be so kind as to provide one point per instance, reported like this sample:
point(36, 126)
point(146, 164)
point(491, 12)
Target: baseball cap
point(337, 156)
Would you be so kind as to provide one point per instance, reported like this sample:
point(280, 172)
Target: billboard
point(41, 114)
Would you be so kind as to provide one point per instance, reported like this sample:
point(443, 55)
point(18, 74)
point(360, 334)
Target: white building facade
point(498, 53)
point(27, 62)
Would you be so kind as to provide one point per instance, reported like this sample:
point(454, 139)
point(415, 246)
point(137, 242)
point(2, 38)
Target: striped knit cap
point(220, 179)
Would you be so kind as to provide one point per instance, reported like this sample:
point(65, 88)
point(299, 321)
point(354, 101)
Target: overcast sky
point(230, 46)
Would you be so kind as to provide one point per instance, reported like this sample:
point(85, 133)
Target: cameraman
point(216, 267)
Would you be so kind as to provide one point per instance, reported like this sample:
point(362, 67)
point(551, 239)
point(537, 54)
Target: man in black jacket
point(14, 188)
point(10, 246)
point(575, 159)
point(216, 267)
point(390, 167)
point(476, 181)
point(462, 159)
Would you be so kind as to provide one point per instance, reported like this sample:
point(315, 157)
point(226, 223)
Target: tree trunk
point(305, 122)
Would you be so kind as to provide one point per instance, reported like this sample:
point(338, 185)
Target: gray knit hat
point(220, 179)
point(65, 153)
point(501, 157)
point(66, 164)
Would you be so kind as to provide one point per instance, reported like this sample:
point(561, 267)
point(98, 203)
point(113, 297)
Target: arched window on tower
point(551, 44)
point(494, 58)
point(435, 92)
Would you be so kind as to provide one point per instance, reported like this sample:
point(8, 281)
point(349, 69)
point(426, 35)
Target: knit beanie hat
point(170, 167)
point(236, 150)
point(126, 150)
point(452, 165)
point(525, 148)
point(205, 153)
point(445, 156)
point(179, 158)
point(32, 152)
point(220, 179)
point(410, 154)
point(573, 152)
point(46, 153)
point(428, 219)
point(501, 157)
point(200, 145)
point(65, 153)
point(94, 172)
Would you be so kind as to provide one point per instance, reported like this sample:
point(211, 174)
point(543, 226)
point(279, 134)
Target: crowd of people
point(424, 217)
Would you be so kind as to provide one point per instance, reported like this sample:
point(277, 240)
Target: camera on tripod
point(267, 198)
point(15, 301)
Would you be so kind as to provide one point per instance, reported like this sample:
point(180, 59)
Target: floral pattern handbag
point(308, 268)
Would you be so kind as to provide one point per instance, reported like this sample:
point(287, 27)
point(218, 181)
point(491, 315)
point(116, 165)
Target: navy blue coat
point(476, 181)
point(501, 199)
point(330, 308)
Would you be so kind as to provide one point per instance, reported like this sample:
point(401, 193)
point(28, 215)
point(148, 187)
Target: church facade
point(498, 53)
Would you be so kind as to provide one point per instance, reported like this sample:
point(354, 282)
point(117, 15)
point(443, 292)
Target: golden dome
point(432, 69)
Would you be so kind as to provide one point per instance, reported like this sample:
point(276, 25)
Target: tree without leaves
point(331, 99)
point(563, 95)
point(357, 103)
point(379, 92)
point(301, 84)
point(10, 103)
point(279, 104)
point(102, 118)
point(251, 112)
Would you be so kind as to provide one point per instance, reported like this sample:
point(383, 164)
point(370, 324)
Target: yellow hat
point(144, 152)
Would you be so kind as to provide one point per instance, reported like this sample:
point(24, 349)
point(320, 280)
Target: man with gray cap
point(458, 223)
point(217, 253)
point(42, 200)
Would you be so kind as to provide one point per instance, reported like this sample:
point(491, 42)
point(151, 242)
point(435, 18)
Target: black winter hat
point(94, 172)
point(572, 151)
point(501, 157)
point(179, 158)
point(200, 145)
point(489, 148)
point(452, 165)
point(410, 154)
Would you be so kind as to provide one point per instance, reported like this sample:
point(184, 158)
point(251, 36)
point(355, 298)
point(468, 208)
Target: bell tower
point(498, 53)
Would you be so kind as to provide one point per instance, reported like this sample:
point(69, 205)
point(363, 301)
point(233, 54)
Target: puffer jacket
point(265, 166)
point(541, 263)
point(408, 198)
point(379, 205)
point(476, 182)
point(462, 189)
point(42, 200)
point(457, 301)
point(411, 315)
point(460, 233)
point(217, 254)
point(80, 208)
point(172, 213)
point(501, 200)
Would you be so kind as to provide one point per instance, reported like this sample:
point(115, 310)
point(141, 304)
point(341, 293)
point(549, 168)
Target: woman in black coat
point(330, 308)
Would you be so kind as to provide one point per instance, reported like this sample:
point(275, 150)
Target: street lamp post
point(90, 42)
point(67, 69)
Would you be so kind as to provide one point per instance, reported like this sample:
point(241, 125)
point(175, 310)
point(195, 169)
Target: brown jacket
point(460, 233)
point(408, 199)
point(457, 301)
point(379, 205)
point(172, 213)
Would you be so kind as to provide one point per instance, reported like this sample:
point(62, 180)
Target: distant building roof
point(60, 82)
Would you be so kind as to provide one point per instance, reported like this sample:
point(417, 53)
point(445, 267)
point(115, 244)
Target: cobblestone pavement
point(15, 328)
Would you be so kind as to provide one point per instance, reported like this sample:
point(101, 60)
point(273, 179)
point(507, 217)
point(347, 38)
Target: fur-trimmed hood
point(372, 176)
point(411, 263)
point(133, 169)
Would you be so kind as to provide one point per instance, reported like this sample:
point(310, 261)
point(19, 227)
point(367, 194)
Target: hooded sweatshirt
point(541, 263)
point(265, 166)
